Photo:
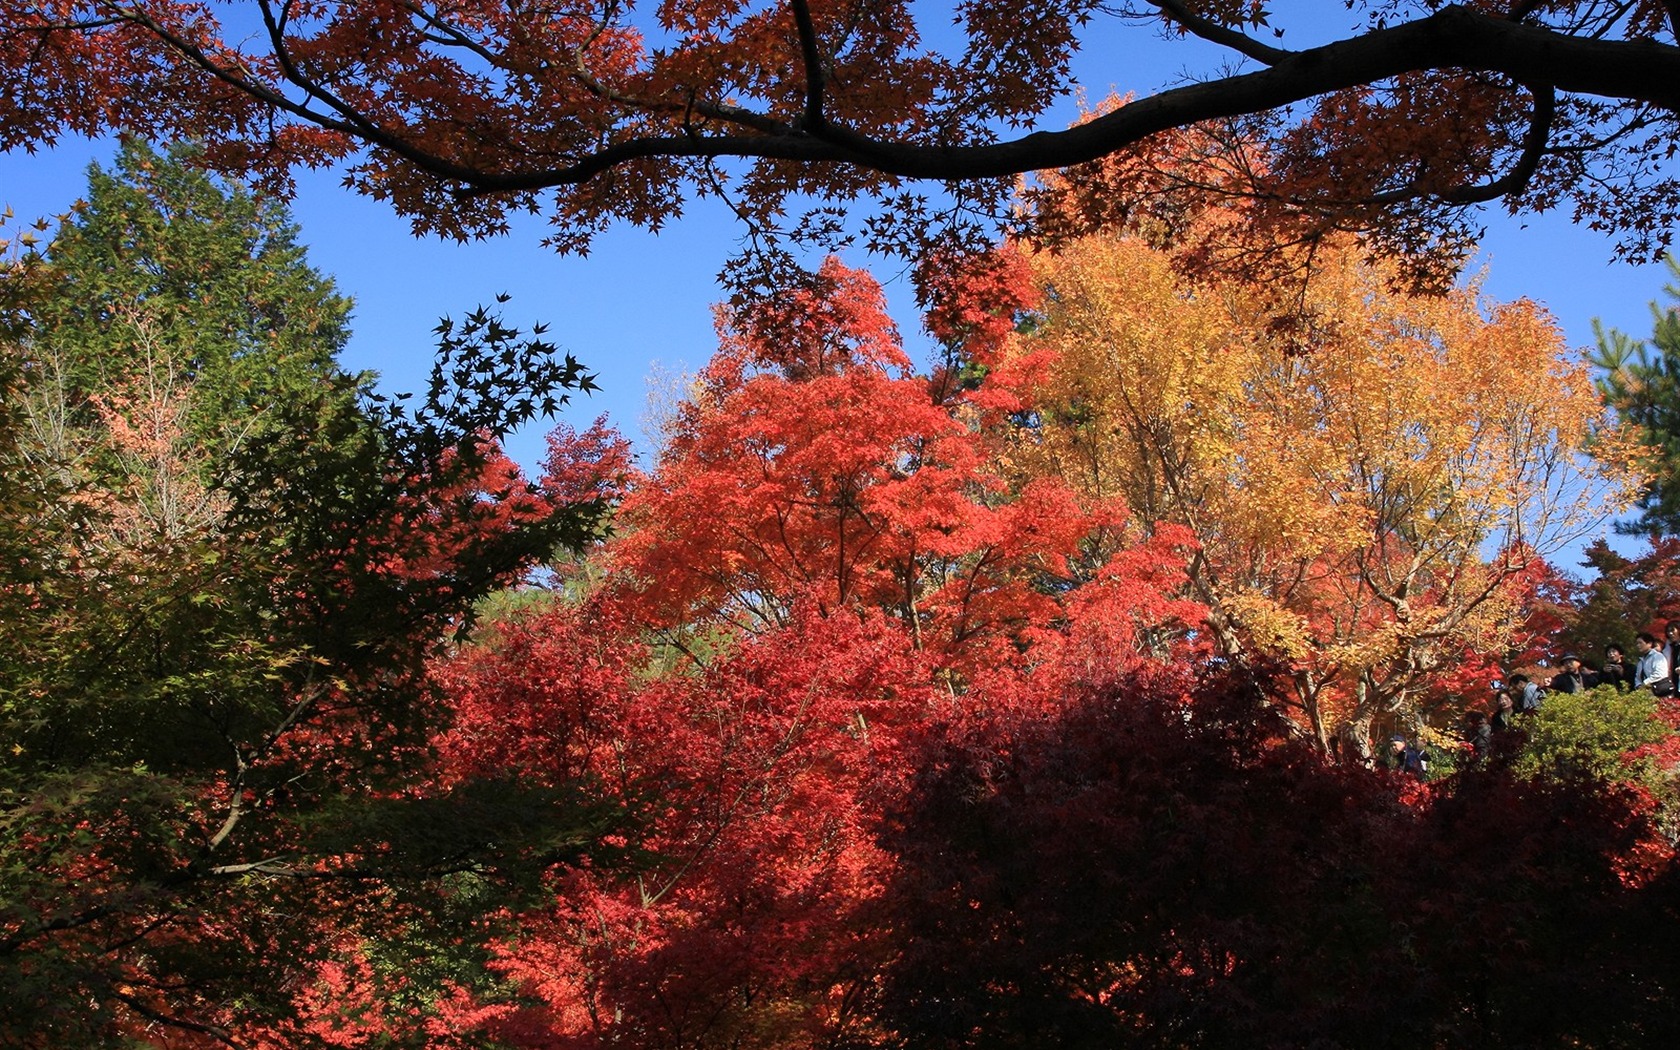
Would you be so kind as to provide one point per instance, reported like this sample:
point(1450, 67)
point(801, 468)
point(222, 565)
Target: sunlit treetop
point(1377, 113)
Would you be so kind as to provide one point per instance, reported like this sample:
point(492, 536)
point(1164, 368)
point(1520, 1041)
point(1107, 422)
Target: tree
point(458, 114)
point(1625, 596)
point(226, 564)
point(745, 920)
point(215, 276)
point(1147, 865)
point(1603, 734)
point(811, 463)
point(1642, 383)
point(765, 764)
point(1371, 476)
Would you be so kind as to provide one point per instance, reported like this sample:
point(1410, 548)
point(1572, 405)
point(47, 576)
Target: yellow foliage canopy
point(1366, 469)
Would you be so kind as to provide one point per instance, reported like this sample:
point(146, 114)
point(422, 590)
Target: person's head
point(1646, 641)
point(1397, 742)
point(1502, 700)
point(1570, 663)
point(1614, 653)
point(1519, 680)
point(1672, 630)
point(1475, 718)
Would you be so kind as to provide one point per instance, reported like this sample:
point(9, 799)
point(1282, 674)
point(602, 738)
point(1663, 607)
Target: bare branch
point(1211, 31)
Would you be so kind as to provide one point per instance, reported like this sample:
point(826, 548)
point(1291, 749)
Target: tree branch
point(1454, 38)
point(1224, 36)
point(815, 78)
point(1534, 147)
point(220, 1035)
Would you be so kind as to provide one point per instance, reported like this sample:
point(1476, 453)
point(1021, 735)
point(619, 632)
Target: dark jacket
point(1479, 735)
point(1565, 682)
point(1415, 760)
point(1619, 675)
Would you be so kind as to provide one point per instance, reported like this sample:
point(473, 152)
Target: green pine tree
point(1641, 381)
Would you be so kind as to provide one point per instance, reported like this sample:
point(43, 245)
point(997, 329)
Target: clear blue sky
point(641, 301)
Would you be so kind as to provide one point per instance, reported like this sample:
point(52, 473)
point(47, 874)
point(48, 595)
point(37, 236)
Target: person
point(1504, 712)
point(1652, 670)
point(1525, 693)
point(1395, 757)
point(1478, 734)
point(1414, 760)
point(1671, 653)
point(1616, 670)
point(1569, 679)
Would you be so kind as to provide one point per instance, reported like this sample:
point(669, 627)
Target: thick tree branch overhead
point(456, 113)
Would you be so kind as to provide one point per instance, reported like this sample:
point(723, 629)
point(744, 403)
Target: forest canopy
point(1127, 674)
point(1045, 689)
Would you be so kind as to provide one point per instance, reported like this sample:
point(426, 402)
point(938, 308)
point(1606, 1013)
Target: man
point(1525, 693)
point(1414, 759)
point(1616, 670)
point(1652, 670)
point(1395, 758)
point(1570, 679)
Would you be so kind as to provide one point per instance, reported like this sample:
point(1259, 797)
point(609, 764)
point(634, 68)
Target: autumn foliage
point(1346, 455)
point(919, 747)
point(1026, 701)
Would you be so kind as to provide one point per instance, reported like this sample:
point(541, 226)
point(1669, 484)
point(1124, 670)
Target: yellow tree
point(1370, 473)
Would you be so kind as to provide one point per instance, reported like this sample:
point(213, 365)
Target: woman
point(1504, 712)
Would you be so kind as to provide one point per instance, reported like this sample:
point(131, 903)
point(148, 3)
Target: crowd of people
point(1657, 669)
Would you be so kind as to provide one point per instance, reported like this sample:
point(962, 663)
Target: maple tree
point(805, 570)
point(810, 463)
point(744, 920)
point(758, 771)
point(1342, 505)
point(460, 113)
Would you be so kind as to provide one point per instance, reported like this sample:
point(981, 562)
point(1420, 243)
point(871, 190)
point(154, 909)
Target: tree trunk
point(1355, 735)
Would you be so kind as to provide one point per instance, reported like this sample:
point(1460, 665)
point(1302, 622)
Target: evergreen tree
point(224, 565)
point(203, 277)
point(1642, 382)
